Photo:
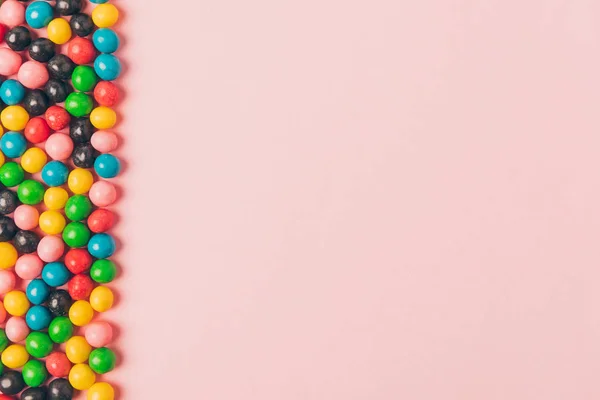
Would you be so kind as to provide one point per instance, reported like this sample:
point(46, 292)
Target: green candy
point(78, 207)
point(103, 271)
point(79, 104)
point(31, 192)
point(60, 329)
point(3, 340)
point(34, 373)
point(38, 344)
point(11, 174)
point(102, 360)
point(76, 234)
point(84, 78)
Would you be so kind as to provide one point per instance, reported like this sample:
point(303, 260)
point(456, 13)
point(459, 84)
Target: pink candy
point(99, 334)
point(12, 13)
point(29, 266)
point(50, 248)
point(103, 193)
point(104, 141)
point(7, 281)
point(33, 74)
point(10, 62)
point(16, 329)
point(26, 217)
point(59, 146)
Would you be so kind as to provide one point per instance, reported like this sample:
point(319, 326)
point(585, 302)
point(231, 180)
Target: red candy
point(101, 220)
point(80, 286)
point(78, 260)
point(37, 130)
point(4, 397)
point(58, 365)
point(3, 30)
point(81, 51)
point(106, 93)
point(57, 117)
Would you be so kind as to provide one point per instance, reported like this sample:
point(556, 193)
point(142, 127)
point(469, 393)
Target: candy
point(82, 24)
point(16, 329)
point(34, 393)
point(107, 66)
point(14, 118)
point(8, 255)
point(8, 228)
point(81, 377)
point(101, 245)
point(37, 130)
point(33, 160)
point(79, 104)
point(38, 14)
point(55, 173)
point(30, 192)
point(59, 303)
point(81, 313)
point(58, 365)
point(59, 146)
point(77, 349)
point(7, 281)
point(12, 13)
point(59, 31)
point(10, 62)
point(81, 51)
point(29, 266)
point(60, 389)
point(80, 286)
point(51, 248)
point(55, 274)
point(13, 144)
point(57, 117)
point(12, 92)
point(38, 344)
point(103, 194)
point(60, 330)
point(51, 222)
point(100, 391)
point(37, 291)
point(106, 40)
point(84, 78)
point(11, 382)
point(99, 334)
point(106, 93)
point(102, 360)
point(34, 373)
point(18, 38)
point(101, 220)
point(103, 271)
point(38, 318)
point(76, 234)
point(55, 198)
point(107, 166)
point(26, 241)
point(42, 49)
point(16, 303)
point(78, 260)
point(14, 356)
point(101, 299)
point(33, 75)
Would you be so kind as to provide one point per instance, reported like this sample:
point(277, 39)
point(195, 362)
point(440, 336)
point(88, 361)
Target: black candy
point(18, 38)
point(60, 389)
point(68, 7)
point(59, 301)
point(26, 241)
point(42, 50)
point(57, 90)
point(84, 155)
point(34, 393)
point(61, 67)
point(80, 130)
point(8, 201)
point(82, 24)
point(8, 228)
point(11, 382)
point(36, 102)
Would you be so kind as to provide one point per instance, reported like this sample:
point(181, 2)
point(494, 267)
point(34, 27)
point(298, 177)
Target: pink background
point(350, 199)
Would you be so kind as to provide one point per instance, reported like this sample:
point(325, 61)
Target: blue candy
point(39, 14)
point(106, 40)
point(12, 92)
point(37, 291)
point(107, 166)
point(107, 67)
point(38, 318)
point(101, 245)
point(55, 274)
point(55, 173)
point(13, 144)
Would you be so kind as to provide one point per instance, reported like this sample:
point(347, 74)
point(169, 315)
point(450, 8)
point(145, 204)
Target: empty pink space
point(350, 200)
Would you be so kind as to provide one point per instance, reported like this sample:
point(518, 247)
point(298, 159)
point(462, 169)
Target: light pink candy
point(50, 248)
point(26, 217)
point(33, 74)
point(16, 329)
point(99, 334)
point(12, 13)
point(10, 62)
point(29, 266)
point(103, 193)
point(59, 146)
point(7, 281)
point(104, 141)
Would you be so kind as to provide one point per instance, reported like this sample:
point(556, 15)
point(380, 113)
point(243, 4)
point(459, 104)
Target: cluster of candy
point(55, 171)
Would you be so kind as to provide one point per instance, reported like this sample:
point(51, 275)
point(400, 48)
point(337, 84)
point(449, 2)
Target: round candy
point(34, 393)
point(80, 181)
point(55, 198)
point(101, 299)
point(33, 160)
point(76, 234)
point(59, 303)
point(59, 146)
point(18, 38)
point(8, 200)
point(103, 271)
point(11, 174)
point(81, 51)
point(12, 92)
point(14, 356)
point(107, 67)
point(59, 31)
point(37, 291)
point(26, 241)
point(79, 104)
point(106, 93)
point(81, 377)
point(8, 228)
point(61, 67)
point(29, 266)
point(58, 365)
point(16, 303)
point(103, 194)
point(8, 255)
point(16, 329)
point(37, 130)
point(12, 13)
point(11, 382)
point(102, 360)
point(38, 318)
point(107, 166)
point(55, 173)
point(106, 40)
point(55, 274)
point(34, 373)
point(42, 49)
point(33, 75)
point(99, 334)
point(84, 78)
point(81, 130)
point(38, 344)
point(13, 144)
point(57, 90)
point(82, 24)
point(60, 389)
point(60, 330)
point(78, 260)
point(105, 15)
point(101, 391)
point(78, 207)
point(39, 14)
point(101, 220)
point(101, 245)
point(81, 313)
point(84, 155)
point(68, 7)
point(77, 349)
point(57, 117)
point(10, 61)
point(36, 102)
point(7, 281)
point(52, 222)
point(51, 248)
point(30, 192)
point(80, 287)
point(14, 118)
point(103, 117)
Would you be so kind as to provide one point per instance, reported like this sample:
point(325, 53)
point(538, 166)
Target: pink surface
point(360, 200)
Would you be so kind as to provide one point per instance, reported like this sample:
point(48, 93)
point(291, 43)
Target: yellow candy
point(8, 255)
point(101, 299)
point(77, 349)
point(80, 181)
point(81, 377)
point(33, 160)
point(80, 313)
point(1, 158)
point(101, 391)
point(52, 222)
point(55, 198)
point(105, 15)
point(103, 117)
point(14, 118)
point(15, 356)
point(59, 31)
point(16, 303)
